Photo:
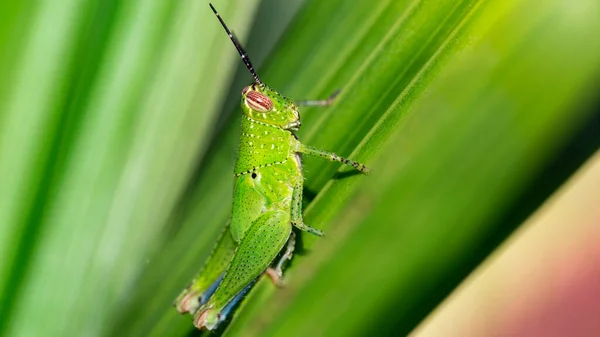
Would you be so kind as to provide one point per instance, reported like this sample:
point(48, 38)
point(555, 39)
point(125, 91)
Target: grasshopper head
point(266, 105)
point(260, 102)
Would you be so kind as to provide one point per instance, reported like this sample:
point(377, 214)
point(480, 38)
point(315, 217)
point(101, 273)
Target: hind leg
point(256, 251)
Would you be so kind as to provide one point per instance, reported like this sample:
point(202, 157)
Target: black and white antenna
point(239, 48)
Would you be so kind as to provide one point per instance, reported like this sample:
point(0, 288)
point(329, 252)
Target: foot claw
point(276, 277)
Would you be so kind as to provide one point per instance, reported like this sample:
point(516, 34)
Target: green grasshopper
point(267, 202)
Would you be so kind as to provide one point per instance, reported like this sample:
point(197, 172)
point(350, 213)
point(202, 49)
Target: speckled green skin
point(267, 202)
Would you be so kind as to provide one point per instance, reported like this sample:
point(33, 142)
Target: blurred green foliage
point(118, 132)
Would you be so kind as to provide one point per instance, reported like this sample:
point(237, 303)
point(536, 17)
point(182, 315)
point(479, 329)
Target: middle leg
point(297, 219)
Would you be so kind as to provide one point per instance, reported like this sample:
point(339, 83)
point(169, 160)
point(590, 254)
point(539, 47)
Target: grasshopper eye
point(245, 90)
point(258, 102)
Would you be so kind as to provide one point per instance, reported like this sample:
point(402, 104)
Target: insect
point(267, 203)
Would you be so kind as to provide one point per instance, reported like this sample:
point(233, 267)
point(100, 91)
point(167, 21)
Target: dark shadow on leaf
point(345, 174)
point(307, 196)
point(299, 249)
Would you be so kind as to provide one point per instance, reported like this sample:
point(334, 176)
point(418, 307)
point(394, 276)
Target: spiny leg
point(276, 274)
point(256, 251)
point(297, 220)
point(319, 102)
point(311, 151)
point(206, 281)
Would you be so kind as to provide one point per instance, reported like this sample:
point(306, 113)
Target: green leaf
point(119, 126)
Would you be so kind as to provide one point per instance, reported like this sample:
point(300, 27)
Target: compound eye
point(259, 102)
point(245, 90)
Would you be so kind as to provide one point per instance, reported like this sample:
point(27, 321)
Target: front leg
point(319, 102)
point(311, 151)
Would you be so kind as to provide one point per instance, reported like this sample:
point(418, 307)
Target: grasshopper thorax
point(263, 104)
